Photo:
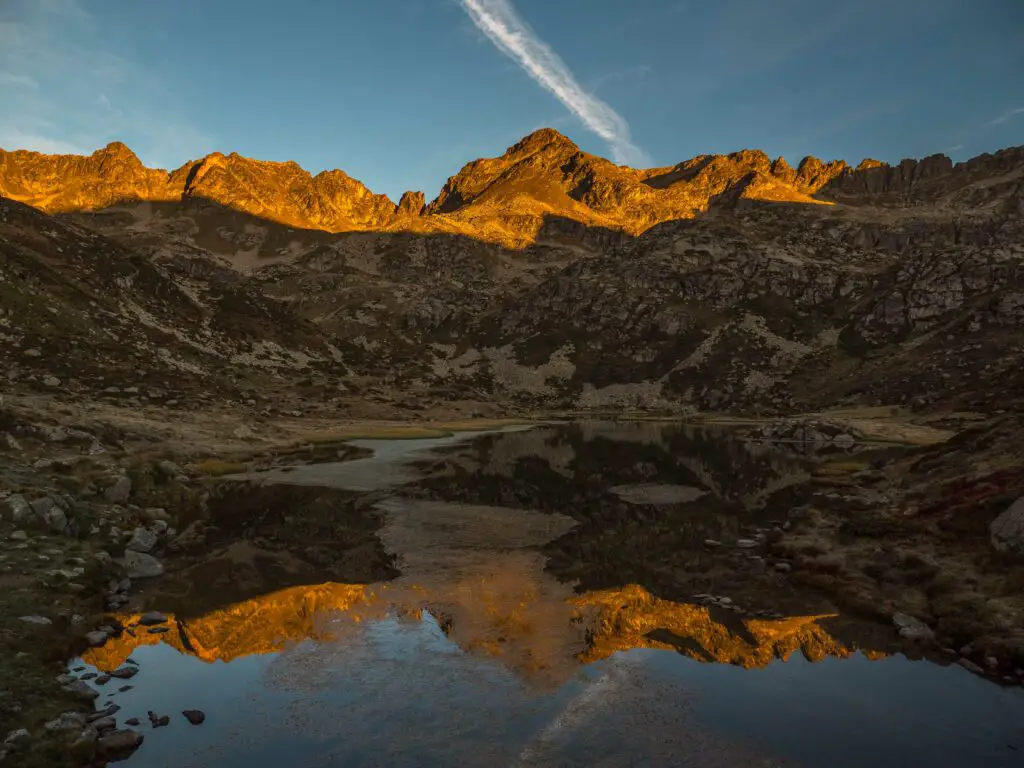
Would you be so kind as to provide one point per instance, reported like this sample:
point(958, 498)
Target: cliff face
point(65, 183)
point(280, 192)
point(512, 200)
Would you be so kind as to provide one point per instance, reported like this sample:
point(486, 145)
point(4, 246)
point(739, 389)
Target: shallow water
point(542, 614)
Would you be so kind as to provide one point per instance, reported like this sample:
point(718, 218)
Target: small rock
point(152, 618)
point(970, 666)
point(725, 600)
point(912, 628)
point(51, 381)
point(82, 689)
point(712, 543)
point(142, 540)
point(194, 716)
point(142, 566)
point(132, 721)
point(104, 724)
point(168, 469)
point(158, 722)
point(783, 567)
point(127, 672)
point(102, 680)
point(124, 688)
point(66, 722)
point(19, 536)
point(17, 738)
point(96, 638)
point(158, 630)
point(746, 543)
point(118, 745)
point(119, 491)
point(39, 620)
point(108, 711)
point(1007, 530)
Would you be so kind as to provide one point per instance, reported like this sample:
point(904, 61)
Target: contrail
point(499, 21)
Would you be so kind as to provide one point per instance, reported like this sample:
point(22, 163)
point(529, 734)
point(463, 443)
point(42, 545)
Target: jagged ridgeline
point(546, 277)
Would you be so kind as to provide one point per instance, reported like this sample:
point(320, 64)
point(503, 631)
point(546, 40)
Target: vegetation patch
point(218, 467)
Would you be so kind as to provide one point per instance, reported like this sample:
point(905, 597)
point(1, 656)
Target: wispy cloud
point(502, 25)
point(64, 88)
point(1008, 115)
point(14, 80)
point(955, 148)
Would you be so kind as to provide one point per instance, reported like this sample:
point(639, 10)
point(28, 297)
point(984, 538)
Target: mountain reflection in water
point(590, 627)
point(531, 598)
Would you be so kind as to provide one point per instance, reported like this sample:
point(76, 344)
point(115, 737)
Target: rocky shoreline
point(86, 516)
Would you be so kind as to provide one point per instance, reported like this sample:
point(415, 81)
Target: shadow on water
point(541, 597)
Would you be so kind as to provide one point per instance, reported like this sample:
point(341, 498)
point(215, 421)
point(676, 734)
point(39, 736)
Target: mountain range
point(543, 278)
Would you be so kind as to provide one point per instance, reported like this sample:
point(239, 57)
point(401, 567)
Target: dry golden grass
point(479, 425)
point(845, 466)
point(410, 431)
point(218, 467)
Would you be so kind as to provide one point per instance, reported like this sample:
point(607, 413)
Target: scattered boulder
point(17, 738)
point(143, 540)
point(139, 565)
point(126, 672)
point(168, 469)
point(107, 723)
point(152, 618)
point(1007, 530)
point(912, 628)
point(39, 620)
point(970, 666)
point(48, 513)
point(194, 716)
point(96, 638)
point(68, 721)
point(118, 745)
point(18, 508)
point(108, 711)
point(120, 491)
point(81, 688)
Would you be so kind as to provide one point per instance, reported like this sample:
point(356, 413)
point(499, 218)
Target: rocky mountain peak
point(116, 149)
point(411, 204)
point(543, 138)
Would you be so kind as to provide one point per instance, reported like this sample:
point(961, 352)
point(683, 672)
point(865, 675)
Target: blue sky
point(401, 93)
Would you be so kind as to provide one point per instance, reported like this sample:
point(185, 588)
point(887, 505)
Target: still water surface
point(526, 599)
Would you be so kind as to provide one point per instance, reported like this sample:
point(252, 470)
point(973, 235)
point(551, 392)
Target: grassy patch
point(411, 431)
point(479, 425)
point(845, 466)
point(379, 433)
point(219, 467)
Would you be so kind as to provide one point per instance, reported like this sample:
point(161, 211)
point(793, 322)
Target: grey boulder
point(1007, 530)
point(139, 565)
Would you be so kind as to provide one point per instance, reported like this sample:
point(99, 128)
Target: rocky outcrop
point(411, 204)
point(1007, 530)
point(931, 180)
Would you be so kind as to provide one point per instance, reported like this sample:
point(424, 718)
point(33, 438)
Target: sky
point(401, 93)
